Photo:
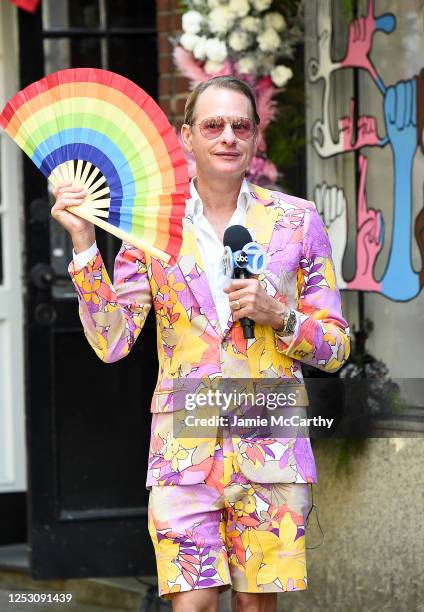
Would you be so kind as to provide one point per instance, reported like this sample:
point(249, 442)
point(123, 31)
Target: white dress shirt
point(210, 246)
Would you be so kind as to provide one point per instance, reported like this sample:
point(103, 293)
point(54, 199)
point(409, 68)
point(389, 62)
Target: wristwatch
point(288, 323)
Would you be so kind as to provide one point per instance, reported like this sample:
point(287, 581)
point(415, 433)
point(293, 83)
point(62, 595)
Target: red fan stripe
point(81, 75)
point(170, 225)
point(174, 242)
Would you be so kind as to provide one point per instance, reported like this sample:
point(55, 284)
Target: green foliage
point(349, 5)
point(285, 136)
point(348, 8)
point(287, 7)
point(381, 397)
point(347, 448)
point(183, 6)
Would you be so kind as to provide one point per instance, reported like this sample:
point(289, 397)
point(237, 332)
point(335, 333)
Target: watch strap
point(283, 330)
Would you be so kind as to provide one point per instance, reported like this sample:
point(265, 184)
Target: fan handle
point(116, 231)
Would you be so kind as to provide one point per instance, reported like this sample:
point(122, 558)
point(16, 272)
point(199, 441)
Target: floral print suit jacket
point(191, 343)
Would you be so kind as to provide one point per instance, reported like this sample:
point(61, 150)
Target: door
point(88, 422)
point(12, 433)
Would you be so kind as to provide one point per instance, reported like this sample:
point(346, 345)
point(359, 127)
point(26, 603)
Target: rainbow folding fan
point(100, 130)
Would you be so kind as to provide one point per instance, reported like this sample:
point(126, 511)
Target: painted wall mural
point(403, 111)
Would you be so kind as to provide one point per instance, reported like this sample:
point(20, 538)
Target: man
point(223, 510)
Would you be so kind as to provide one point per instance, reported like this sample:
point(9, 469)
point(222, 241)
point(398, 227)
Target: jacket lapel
point(192, 266)
point(260, 221)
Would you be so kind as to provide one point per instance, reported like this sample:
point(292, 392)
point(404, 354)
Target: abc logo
point(256, 258)
point(241, 258)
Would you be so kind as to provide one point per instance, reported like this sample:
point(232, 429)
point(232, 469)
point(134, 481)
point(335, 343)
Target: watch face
point(291, 323)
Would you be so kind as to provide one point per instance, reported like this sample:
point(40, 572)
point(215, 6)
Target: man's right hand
point(82, 232)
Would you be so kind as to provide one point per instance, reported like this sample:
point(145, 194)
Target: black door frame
point(77, 543)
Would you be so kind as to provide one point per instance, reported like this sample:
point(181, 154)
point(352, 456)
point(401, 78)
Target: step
point(88, 594)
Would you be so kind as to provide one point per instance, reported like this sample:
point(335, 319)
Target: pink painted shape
point(367, 130)
point(360, 36)
point(368, 241)
point(346, 128)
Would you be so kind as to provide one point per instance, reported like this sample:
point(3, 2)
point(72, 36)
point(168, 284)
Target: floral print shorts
point(229, 531)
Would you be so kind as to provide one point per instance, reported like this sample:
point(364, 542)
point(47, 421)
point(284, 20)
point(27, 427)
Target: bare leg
point(253, 602)
point(202, 600)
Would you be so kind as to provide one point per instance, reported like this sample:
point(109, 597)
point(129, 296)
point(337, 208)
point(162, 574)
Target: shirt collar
point(194, 204)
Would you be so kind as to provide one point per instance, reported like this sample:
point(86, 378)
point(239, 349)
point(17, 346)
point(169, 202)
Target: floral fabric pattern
point(229, 531)
point(191, 343)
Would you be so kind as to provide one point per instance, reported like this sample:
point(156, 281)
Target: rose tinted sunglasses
point(212, 127)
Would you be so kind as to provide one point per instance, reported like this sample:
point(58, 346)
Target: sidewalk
point(5, 605)
point(88, 594)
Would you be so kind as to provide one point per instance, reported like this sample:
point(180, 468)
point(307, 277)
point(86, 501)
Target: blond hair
point(224, 82)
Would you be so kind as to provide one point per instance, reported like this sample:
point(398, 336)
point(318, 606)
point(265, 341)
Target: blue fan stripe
point(100, 151)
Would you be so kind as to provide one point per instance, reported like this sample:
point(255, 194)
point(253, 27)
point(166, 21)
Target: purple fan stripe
point(96, 157)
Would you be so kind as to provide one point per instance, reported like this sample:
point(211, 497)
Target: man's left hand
point(254, 302)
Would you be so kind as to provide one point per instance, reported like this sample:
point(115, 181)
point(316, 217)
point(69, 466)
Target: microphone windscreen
point(236, 236)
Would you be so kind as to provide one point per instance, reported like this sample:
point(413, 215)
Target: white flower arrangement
point(280, 75)
point(269, 41)
point(188, 41)
point(216, 50)
point(247, 64)
point(199, 50)
point(212, 67)
point(239, 40)
point(240, 7)
point(252, 36)
point(192, 22)
point(276, 21)
point(265, 60)
point(251, 24)
point(249, 39)
point(221, 20)
point(261, 5)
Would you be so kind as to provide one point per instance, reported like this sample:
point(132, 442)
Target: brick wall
point(173, 88)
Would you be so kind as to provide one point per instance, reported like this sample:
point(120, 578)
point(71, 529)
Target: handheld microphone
point(243, 257)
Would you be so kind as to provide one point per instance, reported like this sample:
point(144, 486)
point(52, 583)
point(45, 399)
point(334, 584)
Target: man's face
point(225, 156)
